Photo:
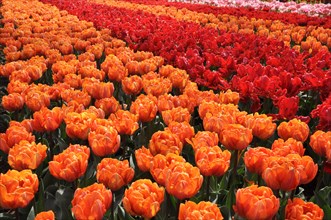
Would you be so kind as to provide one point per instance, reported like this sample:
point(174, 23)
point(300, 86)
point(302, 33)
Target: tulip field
point(165, 110)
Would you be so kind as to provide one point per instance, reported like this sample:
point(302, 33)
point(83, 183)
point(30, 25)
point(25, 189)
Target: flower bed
point(93, 129)
point(263, 13)
point(256, 67)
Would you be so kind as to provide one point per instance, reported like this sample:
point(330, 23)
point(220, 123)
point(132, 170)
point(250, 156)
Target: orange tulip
point(108, 105)
point(82, 97)
point(178, 78)
point(47, 120)
point(320, 142)
point(229, 97)
point(209, 107)
point(158, 86)
point(255, 202)
point(98, 90)
point(159, 166)
point(3, 143)
point(13, 102)
point(17, 188)
point(90, 71)
point(261, 125)
point(78, 125)
point(204, 139)
point(165, 102)
point(145, 107)
point(280, 173)
point(235, 136)
point(293, 129)
point(299, 209)
point(114, 173)
point(185, 101)
point(290, 146)
point(183, 129)
point(178, 114)
point(183, 180)
point(132, 85)
point(306, 166)
point(143, 198)
point(203, 210)
point(164, 142)
point(124, 121)
point(212, 161)
point(26, 155)
point(255, 157)
point(91, 202)
point(144, 158)
point(114, 68)
point(71, 163)
point(17, 133)
point(104, 141)
point(35, 100)
point(47, 215)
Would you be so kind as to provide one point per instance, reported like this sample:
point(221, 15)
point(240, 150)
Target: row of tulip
point(299, 37)
point(82, 106)
point(274, 5)
point(262, 70)
point(265, 14)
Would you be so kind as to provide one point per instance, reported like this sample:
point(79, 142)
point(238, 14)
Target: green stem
point(320, 177)
point(234, 170)
point(112, 207)
point(178, 206)
point(207, 187)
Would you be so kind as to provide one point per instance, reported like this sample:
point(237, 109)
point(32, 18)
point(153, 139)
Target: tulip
point(178, 114)
point(183, 129)
point(17, 188)
point(145, 107)
point(132, 85)
point(229, 97)
point(183, 180)
point(26, 155)
point(91, 202)
point(70, 164)
point(114, 173)
point(212, 161)
point(320, 142)
point(143, 198)
point(108, 105)
point(12, 102)
point(164, 142)
point(290, 146)
point(124, 121)
point(202, 210)
point(235, 136)
point(104, 141)
point(17, 133)
point(255, 157)
point(46, 215)
point(280, 173)
point(35, 100)
point(159, 166)
point(114, 68)
point(299, 209)
point(255, 202)
point(293, 129)
point(47, 120)
point(82, 97)
point(144, 158)
point(261, 125)
point(204, 139)
point(98, 90)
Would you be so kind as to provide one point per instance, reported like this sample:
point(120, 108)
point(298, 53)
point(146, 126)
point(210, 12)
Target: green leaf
point(323, 199)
